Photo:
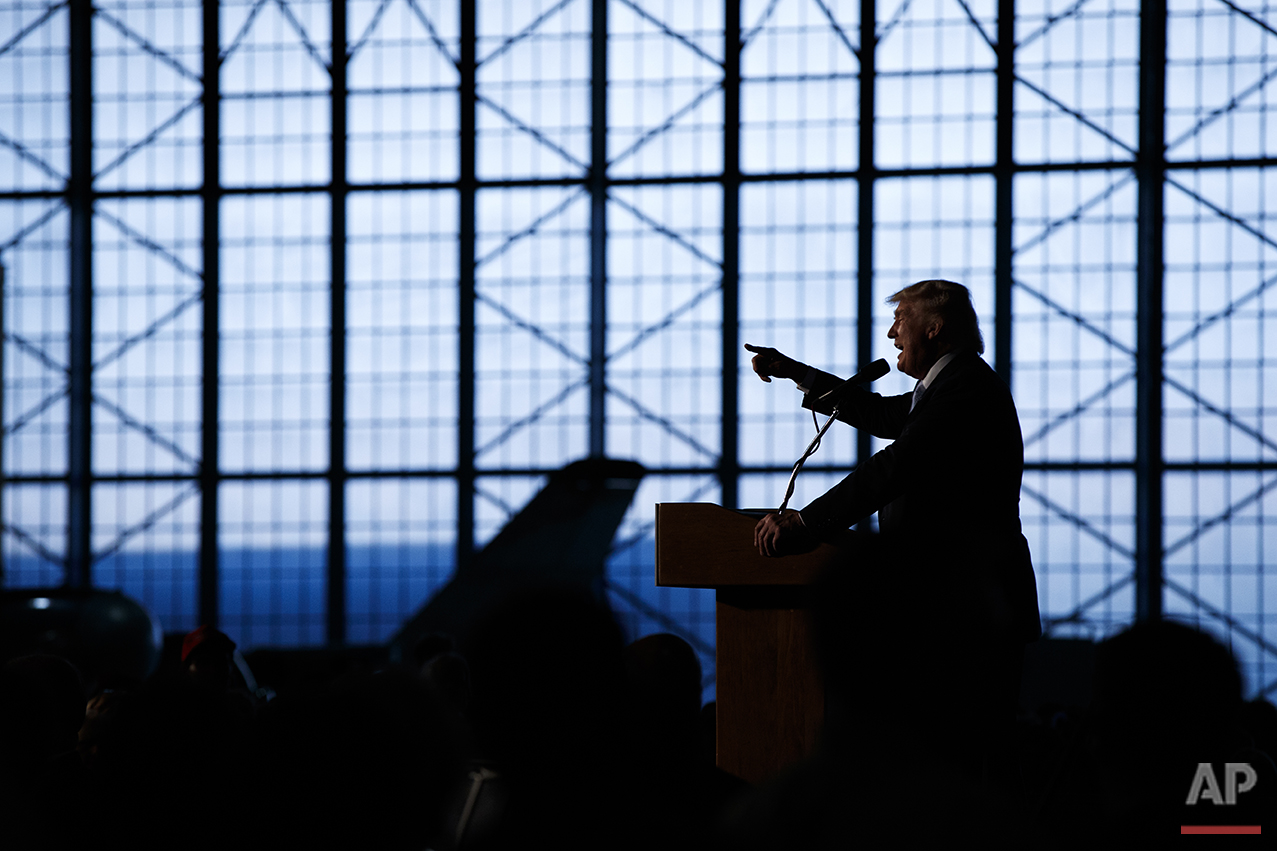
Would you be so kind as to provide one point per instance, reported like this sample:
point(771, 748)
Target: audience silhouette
point(541, 727)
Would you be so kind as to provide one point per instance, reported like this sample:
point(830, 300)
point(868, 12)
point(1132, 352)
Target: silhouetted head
point(431, 645)
point(546, 668)
point(42, 700)
point(449, 674)
point(932, 318)
point(207, 659)
point(1163, 687)
point(664, 678)
point(366, 762)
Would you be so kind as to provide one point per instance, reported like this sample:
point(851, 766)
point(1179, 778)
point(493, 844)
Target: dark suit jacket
point(949, 484)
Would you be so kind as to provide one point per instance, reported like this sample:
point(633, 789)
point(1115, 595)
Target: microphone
point(873, 372)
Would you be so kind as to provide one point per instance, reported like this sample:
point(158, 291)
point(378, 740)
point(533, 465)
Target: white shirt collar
point(936, 367)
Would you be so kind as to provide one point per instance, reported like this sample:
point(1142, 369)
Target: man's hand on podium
point(779, 534)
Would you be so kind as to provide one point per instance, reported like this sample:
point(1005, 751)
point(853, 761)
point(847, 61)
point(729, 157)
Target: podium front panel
point(770, 693)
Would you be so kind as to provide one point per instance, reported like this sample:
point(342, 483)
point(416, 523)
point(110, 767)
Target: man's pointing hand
point(768, 362)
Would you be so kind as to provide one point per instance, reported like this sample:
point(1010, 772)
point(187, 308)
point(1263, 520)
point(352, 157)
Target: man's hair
point(950, 304)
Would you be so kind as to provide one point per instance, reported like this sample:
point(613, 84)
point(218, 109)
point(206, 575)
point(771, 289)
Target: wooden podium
point(771, 701)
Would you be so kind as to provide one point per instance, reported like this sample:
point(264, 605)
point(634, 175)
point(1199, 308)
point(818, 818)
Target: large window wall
point(303, 300)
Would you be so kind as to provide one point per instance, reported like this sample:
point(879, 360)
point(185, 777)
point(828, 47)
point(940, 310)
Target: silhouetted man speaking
point(947, 490)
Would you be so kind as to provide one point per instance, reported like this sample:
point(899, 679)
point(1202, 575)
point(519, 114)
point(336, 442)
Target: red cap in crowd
point(206, 635)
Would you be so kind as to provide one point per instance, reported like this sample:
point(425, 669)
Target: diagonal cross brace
point(25, 154)
point(531, 131)
point(235, 42)
point(1051, 22)
point(1068, 110)
point(535, 330)
point(1221, 111)
point(33, 544)
point(150, 331)
point(643, 607)
point(36, 352)
point(1249, 431)
point(1076, 214)
point(530, 229)
point(500, 503)
point(150, 137)
point(34, 225)
point(303, 35)
point(1089, 603)
point(36, 410)
point(646, 528)
point(1077, 319)
point(1078, 409)
point(161, 55)
point(434, 34)
point(975, 23)
point(669, 122)
point(359, 43)
point(142, 428)
point(667, 320)
point(664, 423)
point(146, 523)
point(526, 32)
point(531, 417)
point(1224, 214)
point(1081, 524)
point(893, 22)
point(148, 243)
point(48, 12)
point(842, 35)
point(677, 36)
point(1249, 16)
point(1223, 313)
point(674, 236)
point(1223, 517)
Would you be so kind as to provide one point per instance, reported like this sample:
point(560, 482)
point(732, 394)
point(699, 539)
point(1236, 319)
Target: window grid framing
point(1151, 168)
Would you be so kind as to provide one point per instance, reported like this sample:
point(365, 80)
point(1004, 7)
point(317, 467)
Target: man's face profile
point(915, 339)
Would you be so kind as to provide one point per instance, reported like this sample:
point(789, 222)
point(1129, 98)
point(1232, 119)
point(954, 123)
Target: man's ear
point(934, 329)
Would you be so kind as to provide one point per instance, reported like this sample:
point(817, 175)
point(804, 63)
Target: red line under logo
point(1219, 828)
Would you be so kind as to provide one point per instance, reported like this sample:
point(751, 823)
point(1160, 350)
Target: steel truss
point(1147, 167)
